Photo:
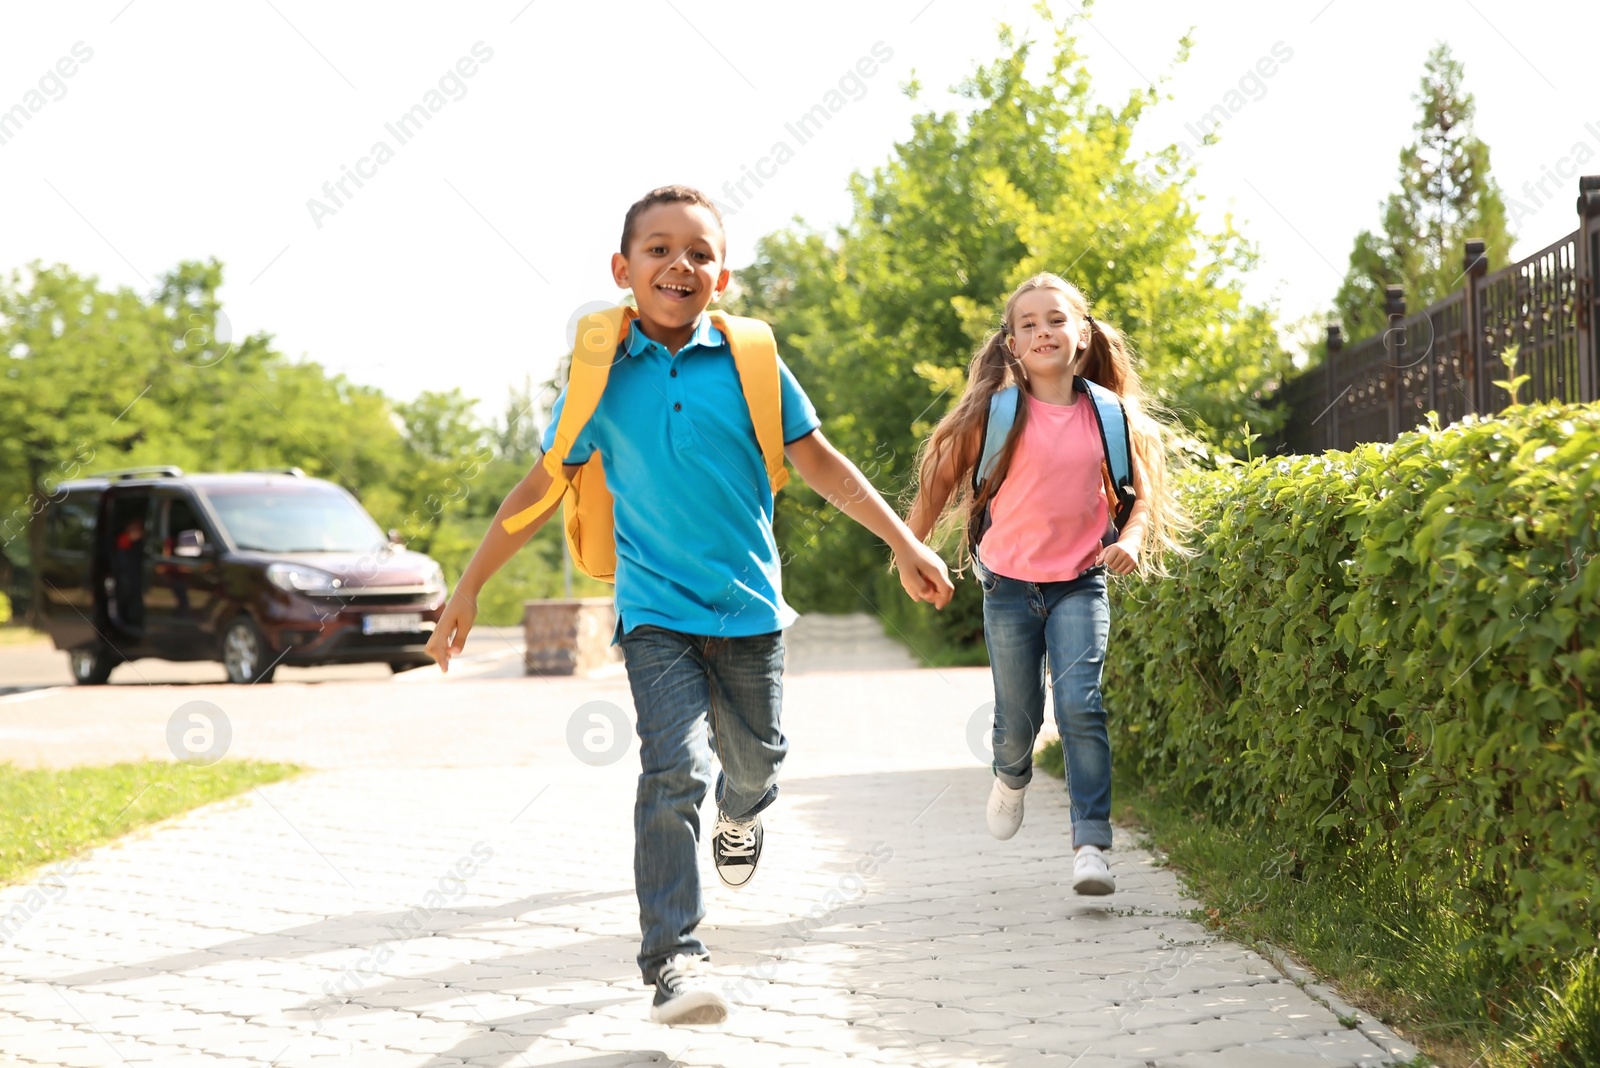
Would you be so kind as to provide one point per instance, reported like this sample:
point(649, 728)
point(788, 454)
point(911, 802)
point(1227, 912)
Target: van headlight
point(298, 579)
point(434, 579)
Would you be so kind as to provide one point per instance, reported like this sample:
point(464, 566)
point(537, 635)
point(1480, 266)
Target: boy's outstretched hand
point(450, 635)
point(924, 575)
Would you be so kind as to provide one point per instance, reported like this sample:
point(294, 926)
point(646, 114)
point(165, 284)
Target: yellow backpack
point(587, 506)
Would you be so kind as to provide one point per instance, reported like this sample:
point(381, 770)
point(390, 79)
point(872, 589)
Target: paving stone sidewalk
point(432, 916)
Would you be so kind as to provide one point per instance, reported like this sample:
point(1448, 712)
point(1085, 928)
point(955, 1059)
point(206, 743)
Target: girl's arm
point(1122, 556)
point(450, 633)
point(931, 499)
point(937, 488)
point(825, 470)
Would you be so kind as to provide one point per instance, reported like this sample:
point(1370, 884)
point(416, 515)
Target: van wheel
point(91, 665)
point(245, 654)
point(397, 666)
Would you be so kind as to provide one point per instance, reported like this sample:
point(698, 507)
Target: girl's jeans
point(692, 695)
point(1062, 624)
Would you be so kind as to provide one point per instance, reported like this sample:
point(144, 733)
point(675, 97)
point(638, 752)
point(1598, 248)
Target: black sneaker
point(683, 995)
point(736, 849)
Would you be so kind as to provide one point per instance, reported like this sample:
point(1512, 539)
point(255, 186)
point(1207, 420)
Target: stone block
point(568, 637)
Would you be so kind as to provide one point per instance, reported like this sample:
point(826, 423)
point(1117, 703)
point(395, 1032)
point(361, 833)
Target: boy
point(700, 612)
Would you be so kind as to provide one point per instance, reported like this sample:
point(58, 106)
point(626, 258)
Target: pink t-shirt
point(1050, 512)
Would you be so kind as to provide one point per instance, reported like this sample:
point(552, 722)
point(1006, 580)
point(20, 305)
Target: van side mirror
point(191, 543)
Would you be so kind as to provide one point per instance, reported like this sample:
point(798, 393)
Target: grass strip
point(49, 814)
point(1387, 948)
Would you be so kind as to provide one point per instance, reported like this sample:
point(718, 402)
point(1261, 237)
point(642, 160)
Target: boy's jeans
point(1064, 624)
point(692, 695)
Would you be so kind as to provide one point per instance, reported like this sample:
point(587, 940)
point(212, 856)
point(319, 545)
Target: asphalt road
point(363, 715)
point(31, 665)
point(815, 643)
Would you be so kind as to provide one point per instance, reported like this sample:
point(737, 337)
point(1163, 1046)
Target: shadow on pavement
point(884, 917)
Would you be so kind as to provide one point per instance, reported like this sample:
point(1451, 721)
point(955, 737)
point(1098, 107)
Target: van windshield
point(304, 521)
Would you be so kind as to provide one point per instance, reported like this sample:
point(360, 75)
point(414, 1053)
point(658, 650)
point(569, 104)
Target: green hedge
point(1387, 660)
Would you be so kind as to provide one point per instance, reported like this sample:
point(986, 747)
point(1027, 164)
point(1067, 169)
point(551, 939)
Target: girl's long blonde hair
point(955, 444)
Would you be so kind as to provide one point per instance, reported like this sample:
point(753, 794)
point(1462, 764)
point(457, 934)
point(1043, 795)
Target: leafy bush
point(1388, 659)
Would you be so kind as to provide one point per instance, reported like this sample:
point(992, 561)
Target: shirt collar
point(705, 336)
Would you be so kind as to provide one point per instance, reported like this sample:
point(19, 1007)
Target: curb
point(1398, 1049)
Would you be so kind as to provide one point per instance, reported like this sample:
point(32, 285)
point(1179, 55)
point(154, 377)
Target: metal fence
point(1446, 358)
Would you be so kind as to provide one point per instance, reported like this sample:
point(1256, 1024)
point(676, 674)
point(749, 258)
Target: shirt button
point(677, 407)
point(674, 372)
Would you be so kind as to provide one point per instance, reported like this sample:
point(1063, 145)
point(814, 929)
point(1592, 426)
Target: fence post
point(1394, 305)
point(1588, 286)
point(1475, 267)
point(1331, 380)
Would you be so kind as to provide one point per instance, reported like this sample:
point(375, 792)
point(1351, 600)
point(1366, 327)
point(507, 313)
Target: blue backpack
point(1113, 423)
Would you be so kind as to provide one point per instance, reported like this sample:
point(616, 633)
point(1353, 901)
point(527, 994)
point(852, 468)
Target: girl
point(1039, 531)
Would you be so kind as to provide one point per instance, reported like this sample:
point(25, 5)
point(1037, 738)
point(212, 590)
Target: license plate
point(392, 623)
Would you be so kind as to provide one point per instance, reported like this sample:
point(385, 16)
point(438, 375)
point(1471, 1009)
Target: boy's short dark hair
point(669, 194)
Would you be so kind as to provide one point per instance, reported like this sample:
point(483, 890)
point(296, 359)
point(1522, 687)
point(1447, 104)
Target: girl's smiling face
point(1047, 334)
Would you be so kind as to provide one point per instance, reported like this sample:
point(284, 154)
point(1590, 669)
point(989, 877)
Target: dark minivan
point(255, 570)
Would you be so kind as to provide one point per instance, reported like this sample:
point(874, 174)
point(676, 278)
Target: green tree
point(879, 318)
point(76, 357)
point(517, 434)
point(1446, 196)
point(537, 570)
point(441, 426)
point(95, 379)
point(446, 451)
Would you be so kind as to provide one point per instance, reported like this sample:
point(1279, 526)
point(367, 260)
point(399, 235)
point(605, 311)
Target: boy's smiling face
point(674, 265)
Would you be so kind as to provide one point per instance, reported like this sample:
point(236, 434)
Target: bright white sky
point(202, 129)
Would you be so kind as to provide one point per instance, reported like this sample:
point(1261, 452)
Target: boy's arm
point(450, 634)
point(825, 470)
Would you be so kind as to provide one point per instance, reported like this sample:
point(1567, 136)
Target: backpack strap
point(996, 428)
point(1112, 419)
point(755, 355)
point(998, 423)
point(592, 356)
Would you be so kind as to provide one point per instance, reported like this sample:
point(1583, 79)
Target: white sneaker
point(684, 996)
point(1004, 811)
point(1090, 875)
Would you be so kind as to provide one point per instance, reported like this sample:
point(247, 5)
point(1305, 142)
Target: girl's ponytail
point(954, 446)
point(1108, 360)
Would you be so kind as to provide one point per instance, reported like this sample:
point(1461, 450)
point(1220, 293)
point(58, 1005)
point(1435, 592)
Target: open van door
point(69, 579)
point(64, 573)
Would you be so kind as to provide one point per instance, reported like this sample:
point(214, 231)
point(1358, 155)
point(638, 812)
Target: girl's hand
point(923, 574)
point(450, 634)
point(1120, 558)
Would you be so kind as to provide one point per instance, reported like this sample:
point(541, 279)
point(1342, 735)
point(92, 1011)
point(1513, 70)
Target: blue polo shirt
point(695, 550)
